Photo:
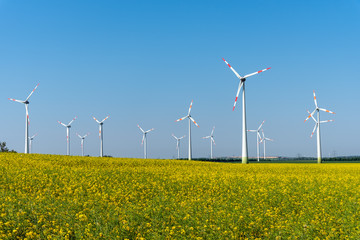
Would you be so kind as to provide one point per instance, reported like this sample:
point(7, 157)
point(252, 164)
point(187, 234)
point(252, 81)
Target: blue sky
point(142, 62)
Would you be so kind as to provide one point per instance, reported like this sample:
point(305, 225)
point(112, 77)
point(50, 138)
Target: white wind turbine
point(211, 142)
point(30, 142)
point(190, 119)
point(68, 126)
point(264, 139)
point(242, 84)
point(258, 139)
point(317, 125)
point(144, 140)
point(26, 102)
point(178, 144)
point(82, 142)
point(101, 134)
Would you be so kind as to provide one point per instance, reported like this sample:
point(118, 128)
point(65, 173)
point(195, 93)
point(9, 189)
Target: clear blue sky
point(142, 62)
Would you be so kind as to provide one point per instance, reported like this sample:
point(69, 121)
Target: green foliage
point(4, 148)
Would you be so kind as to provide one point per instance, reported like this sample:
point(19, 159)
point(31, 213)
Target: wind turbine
point(258, 139)
point(317, 125)
point(264, 139)
point(82, 142)
point(190, 119)
point(211, 142)
point(68, 126)
point(26, 102)
point(101, 134)
point(143, 141)
point(178, 144)
point(30, 142)
point(242, 85)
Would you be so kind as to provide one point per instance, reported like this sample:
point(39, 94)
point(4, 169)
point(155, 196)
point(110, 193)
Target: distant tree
point(4, 148)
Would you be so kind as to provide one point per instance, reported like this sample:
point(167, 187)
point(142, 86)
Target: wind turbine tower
point(190, 119)
point(68, 126)
point(144, 139)
point(211, 136)
point(26, 102)
point(178, 145)
point(258, 139)
point(30, 142)
point(317, 125)
point(82, 142)
point(242, 86)
point(101, 123)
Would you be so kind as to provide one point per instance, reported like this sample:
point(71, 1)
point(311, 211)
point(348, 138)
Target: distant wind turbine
point(178, 145)
point(258, 139)
point(30, 142)
point(190, 119)
point(211, 142)
point(82, 142)
point(264, 139)
point(242, 84)
point(26, 102)
point(317, 125)
point(68, 126)
point(144, 139)
point(101, 123)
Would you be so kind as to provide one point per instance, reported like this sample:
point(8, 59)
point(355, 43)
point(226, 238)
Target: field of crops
point(58, 197)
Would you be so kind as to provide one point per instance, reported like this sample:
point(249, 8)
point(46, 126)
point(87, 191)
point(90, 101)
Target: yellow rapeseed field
point(60, 197)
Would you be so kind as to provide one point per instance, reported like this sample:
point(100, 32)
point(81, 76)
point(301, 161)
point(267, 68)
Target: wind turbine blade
point(251, 130)
point(316, 124)
point(105, 118)
point(237, 93)
point(72, 121)
point(261, 125)
point(141, 128)
point(252, 74)
point(32, 92)
point(62, 123)
point(232, 69)
point(212, 139)
point(78, 135)
point(206, 137)
point(325, 121)
point(174, 136)
point(86, 135)
point(323, 109)
point(180, 119)
point(182, 137)
point(269, 139)
point(315, 101)
point(15, 100)
point(150, 130)
point(193, 121)
point(96, 120)
point(27, 113)
point(142, 141)
point(190, 107)
point(34, 136)
point(212, 132)
point(310, 115)
point(259, 136)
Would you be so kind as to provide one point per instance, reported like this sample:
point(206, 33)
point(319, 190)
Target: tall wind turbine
point(68, 126)
point(190, 119)
point(258, 139)
point(264, 139)
point(242, 85)
point(30, 142)
point(82, 142)
point(178, 144)
point(26, 102)
point(211, 142)
point(101, 134)
point(317, 125)
point(144, 141)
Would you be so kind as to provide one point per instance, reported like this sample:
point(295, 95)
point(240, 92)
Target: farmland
point(59, 197)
